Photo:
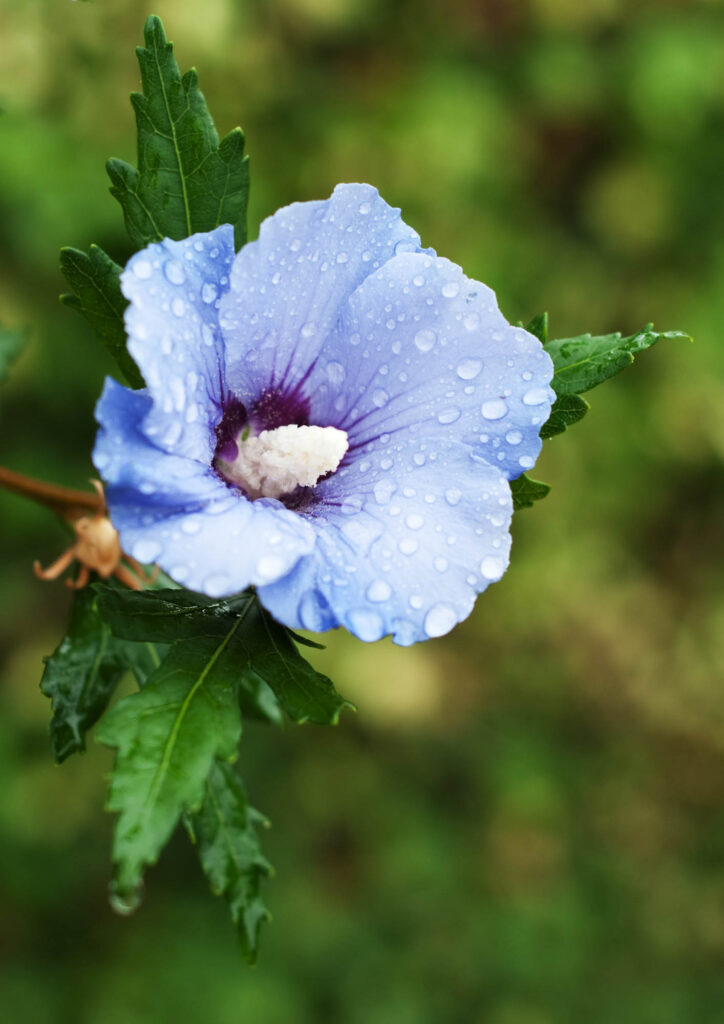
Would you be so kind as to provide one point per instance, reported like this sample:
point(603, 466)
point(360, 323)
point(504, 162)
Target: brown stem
point(62, 500)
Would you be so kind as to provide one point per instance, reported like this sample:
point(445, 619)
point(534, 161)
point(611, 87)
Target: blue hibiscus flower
point(331, 415)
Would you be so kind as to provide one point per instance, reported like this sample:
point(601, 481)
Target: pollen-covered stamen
point(276, 462)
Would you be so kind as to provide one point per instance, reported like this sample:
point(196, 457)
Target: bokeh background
point(524, 823)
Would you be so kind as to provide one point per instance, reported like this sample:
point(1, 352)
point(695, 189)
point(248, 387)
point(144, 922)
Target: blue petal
point(420, 349)
point(288, 287)
point(406, 538)
point(176, 512)
point(172, 323)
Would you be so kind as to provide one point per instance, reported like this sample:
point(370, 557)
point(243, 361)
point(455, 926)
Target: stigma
point(275, 462)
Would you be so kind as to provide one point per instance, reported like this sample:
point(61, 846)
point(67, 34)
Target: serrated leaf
point(12, 342)
point(95, 280)
point(224, 833)
point(186, 180)
point(566, 410)
point(81, 675)
point(164, 616)
point(168, 736)
point(583, 362)
point(527, 491)
point(263, 647)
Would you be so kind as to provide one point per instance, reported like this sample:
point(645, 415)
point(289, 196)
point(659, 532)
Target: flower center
point(276, 462)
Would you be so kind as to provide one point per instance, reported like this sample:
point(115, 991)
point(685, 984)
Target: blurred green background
point(524, 824)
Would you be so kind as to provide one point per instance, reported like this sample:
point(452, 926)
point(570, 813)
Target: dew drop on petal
point(441, 564)
point(495, 409)
point(492, 567)
point(335, 372)
point(178, 306)
point(449, 415)
point(380, 397)
point(307, 330)
point(418, 280)
point(209, 292)
point(453, 496)
point(216, 585)
point(142, 269)
point(514, 437)
point(535, 396)
point(471, 322)
point(366, 624)
point(269, 568)
point(425, 339)
point(174, 272)
point(365, 208)
point(526, 462)
point(439, 620)
point(379, 590)
point(450, 289)
point(468, 369)
point(146, 551)
point(408, 545)
point(191, 526)
point(414, 521)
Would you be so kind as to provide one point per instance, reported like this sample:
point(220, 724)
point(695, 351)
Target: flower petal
point(420, 349)
point(173, 511)
point(406, 538)
point(173, 334)
point(288, 287)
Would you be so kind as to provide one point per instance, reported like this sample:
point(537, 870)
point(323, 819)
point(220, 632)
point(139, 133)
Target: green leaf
point(81, 675)
point(168, 736)
point(583, 362)
point(225, 836)
point(539, 327)
point(12, 341)
point(96, 294)
point(263, 648)
point(567, 410)
point(186, 180)
point(526, 491)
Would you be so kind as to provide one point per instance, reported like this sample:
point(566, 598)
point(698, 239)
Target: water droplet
point(269, 568)
point(146, 551)
point(380, 397)
point(449, 415)
point(414, 521)
point(365, 208)
point(450, 289)
point(453, 496)
point(342, 257)
point(142, 269)
point(178, 393)
point(425, 339)
point(418, 280)
point(383, 491)
point(441, 564)
point(514, 437)
point(492, 567)
point(468, 369)
point(178, 306)
point(217, 585)
point(313, 611)
point(378, 591)
point(439, 620)
point(209, 292)
point(127, 901)
point(471, 322)
point(295, 245)
point(365, 624)
point(494, 409)
point(191, 526)
point(408, 545)
point(335, 373)
point(535, 396)
point(307, 330)
point(174, 272)
point(526, 462)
